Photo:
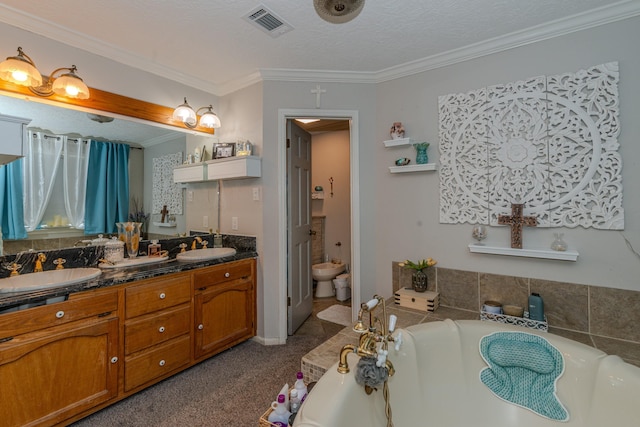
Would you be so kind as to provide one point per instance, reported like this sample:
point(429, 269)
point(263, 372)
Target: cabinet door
point(224, 316)
point(53, 374)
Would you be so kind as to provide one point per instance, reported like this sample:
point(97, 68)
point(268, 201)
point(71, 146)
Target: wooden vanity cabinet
point(224, 306)
point(157, 329)
point(58, 360)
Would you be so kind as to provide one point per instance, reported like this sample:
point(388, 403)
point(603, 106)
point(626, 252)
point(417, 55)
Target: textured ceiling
point(211, 42)
point(208, 44)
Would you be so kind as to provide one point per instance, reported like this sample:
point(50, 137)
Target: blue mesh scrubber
point(523, 369)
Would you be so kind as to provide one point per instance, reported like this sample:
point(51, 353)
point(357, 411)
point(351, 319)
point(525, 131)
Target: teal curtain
point(107, 199)
point(11, 204)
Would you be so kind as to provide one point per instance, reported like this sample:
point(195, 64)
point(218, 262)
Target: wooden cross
point(516, 220)
point(164, 213)
point(318, 93)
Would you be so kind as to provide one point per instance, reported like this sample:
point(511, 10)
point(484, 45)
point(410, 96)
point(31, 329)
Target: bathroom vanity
point(62, 361)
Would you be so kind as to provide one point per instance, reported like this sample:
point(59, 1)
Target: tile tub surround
point(604, 318)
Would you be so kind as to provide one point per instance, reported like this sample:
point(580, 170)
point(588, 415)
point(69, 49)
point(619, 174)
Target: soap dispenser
point(536, 307)
point(217, 239)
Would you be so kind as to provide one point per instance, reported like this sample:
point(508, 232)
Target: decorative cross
point(516, 220)
point(318, 93)
point(164, 213)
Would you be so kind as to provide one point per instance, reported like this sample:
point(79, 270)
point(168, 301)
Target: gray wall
point(407, 210)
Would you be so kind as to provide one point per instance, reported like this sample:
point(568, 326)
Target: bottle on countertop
point(154, 248)
point(217, 239)
point(536, 307)
point(300, 386)
point(294, 401)
point(280, 415)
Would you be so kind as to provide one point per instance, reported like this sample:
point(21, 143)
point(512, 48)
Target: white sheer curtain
point(75, 167)
point(40, 167)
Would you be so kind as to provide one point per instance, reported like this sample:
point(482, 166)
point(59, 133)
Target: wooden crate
point(423, 301)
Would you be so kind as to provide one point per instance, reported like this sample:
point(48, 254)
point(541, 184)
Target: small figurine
point(397, 131)
point(403, 161)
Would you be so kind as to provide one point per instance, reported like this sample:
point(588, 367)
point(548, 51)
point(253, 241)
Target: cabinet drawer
point(147, 331)
point(157, 294)
point(156, 362)
point(222, 273)
point(79, 306)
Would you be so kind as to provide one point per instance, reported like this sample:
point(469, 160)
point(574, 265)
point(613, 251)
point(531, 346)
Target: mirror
point(148, 140)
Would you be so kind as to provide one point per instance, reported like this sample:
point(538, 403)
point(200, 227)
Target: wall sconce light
point(21, 70)
point(187, 115)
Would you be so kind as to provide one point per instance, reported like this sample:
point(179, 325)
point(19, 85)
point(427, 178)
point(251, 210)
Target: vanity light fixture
point(21, 70)
point(187, 115)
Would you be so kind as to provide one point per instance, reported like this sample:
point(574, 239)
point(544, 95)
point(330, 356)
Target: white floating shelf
point(165, 224)
point(568, 255)
point(413, 168)
point(397, 142)
point(317, 195)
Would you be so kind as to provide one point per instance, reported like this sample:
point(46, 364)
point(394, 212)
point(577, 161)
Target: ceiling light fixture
point(21, 70)
point(338, 11)
point(187, 115)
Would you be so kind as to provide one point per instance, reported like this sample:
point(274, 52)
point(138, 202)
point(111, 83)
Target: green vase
point(421, 155)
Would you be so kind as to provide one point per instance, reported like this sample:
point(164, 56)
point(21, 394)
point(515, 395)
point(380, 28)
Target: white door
point(300, 284)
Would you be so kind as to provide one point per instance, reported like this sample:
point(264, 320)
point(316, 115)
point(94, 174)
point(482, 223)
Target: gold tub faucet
point(39, 260)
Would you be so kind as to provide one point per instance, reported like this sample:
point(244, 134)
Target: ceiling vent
point(267, 21)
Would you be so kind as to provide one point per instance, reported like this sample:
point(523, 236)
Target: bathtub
point(437, 383)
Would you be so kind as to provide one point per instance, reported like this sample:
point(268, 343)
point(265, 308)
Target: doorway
point(354, 256)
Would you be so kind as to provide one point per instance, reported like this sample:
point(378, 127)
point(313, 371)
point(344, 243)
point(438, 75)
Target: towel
point(523, 369)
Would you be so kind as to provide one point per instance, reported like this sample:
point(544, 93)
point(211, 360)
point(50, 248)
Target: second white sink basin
point(205, 254)
point(47, 279)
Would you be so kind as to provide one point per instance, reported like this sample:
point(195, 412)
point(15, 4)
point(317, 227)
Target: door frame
point(354, 160)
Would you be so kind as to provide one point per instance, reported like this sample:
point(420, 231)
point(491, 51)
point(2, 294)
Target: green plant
point(420, 265)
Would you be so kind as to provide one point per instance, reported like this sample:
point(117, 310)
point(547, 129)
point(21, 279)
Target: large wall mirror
point(147, 139)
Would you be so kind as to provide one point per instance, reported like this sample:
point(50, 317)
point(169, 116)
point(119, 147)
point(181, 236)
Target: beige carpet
point(340, 314)
point(233, 388)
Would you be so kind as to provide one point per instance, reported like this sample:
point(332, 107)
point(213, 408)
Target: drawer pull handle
point(114, 359)
point(60, 314)
point(200, 327)
point(162, 363)
point(161, 329)
point(227, 275)
point(163, 295)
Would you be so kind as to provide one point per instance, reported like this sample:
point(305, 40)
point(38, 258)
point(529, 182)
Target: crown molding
point(593, 18)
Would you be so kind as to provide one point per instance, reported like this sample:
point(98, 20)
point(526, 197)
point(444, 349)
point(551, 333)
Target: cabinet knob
point(114, 359)
point(162, 363)
point(200, 327)
point(60, 314)
point(161, 329)
point(227, 274)
point(163, 295)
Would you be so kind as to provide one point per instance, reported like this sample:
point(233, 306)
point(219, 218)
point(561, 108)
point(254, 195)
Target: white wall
point(407, 211)
point(330, 159)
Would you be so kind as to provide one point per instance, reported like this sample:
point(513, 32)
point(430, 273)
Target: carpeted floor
point(233, 388)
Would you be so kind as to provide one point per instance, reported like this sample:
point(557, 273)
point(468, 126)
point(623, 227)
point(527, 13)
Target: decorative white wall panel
point(549, 142)
point(165, 191)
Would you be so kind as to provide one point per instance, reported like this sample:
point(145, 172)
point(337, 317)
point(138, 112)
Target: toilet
point(343, 290)
point(324, 273)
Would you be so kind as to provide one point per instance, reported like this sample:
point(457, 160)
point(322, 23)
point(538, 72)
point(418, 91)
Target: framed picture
point(220, 151)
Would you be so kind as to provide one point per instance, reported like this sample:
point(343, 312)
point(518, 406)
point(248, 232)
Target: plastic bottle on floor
point(280, 415)
point(300, 386)
point(294, 401)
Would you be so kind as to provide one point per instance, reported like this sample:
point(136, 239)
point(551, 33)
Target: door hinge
point(288, 301)
point(288, 143)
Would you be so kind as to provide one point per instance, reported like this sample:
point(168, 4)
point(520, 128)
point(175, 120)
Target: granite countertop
point(115, 276)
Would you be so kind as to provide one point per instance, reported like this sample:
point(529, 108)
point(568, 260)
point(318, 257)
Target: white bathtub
point(437, 383)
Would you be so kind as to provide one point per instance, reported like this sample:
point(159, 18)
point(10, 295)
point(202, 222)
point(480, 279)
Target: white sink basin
point(205, 254)
point(48, 279)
